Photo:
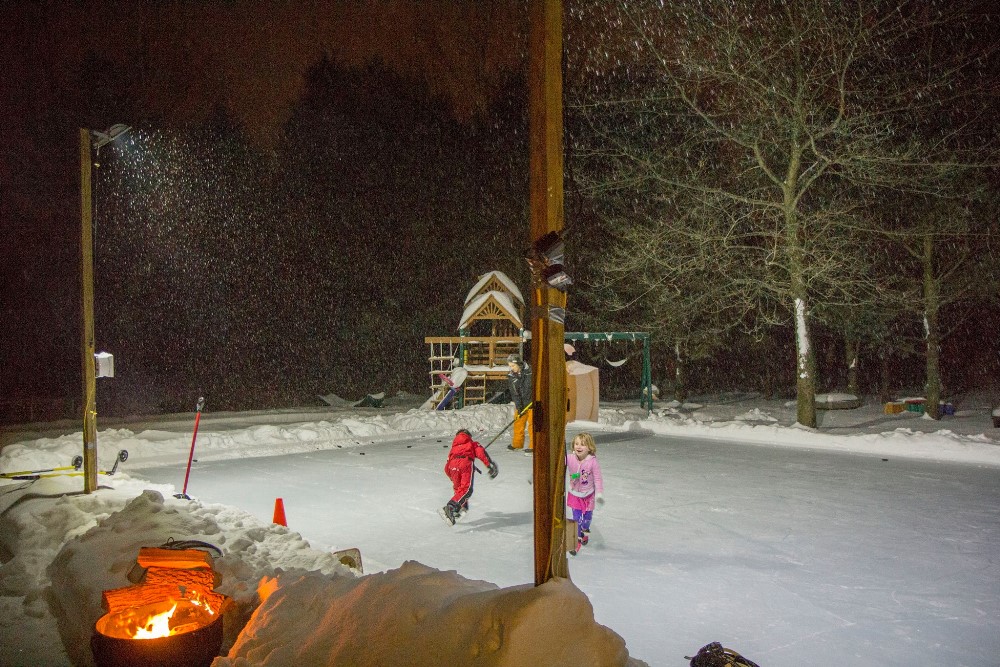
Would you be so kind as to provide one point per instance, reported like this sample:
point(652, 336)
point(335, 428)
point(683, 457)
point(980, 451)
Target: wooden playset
point(491, 328)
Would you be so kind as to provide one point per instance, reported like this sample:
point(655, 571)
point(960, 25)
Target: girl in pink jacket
point(586, 487)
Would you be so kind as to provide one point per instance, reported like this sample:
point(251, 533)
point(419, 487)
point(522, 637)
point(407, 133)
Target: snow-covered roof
point(500, 277)
point(500, 300)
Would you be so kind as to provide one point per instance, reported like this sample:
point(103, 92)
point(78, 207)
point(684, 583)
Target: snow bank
point(99, 558)
point(417, 615)
point(153, 447)
point(940, 445)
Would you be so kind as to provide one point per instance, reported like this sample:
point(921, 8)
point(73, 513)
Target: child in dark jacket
point(460, 468)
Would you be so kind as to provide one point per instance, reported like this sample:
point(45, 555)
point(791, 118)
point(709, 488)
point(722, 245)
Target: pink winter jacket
point(584, 476)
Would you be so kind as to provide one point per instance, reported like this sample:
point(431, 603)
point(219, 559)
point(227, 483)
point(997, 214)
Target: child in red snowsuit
point(460, 468)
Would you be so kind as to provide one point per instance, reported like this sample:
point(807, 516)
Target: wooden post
point(87, 279)
point(548, 357)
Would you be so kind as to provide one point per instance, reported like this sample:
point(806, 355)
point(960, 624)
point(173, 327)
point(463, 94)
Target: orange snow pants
point(520, 423)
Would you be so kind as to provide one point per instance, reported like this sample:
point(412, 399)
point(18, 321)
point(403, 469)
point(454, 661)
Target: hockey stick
point(504, 429)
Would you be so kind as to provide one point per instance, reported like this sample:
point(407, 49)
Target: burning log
point(172, 617)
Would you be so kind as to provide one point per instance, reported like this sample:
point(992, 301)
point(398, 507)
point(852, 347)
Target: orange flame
point(157, 625)
point(160, 619)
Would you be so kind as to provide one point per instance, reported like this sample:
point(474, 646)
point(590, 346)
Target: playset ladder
point(475, 388)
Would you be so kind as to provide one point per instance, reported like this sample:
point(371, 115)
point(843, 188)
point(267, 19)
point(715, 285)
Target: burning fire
point(174, 596)
point(158, 625)
point(159, 619)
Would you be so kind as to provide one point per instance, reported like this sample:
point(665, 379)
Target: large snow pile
point(429, 617)
point(156, 446)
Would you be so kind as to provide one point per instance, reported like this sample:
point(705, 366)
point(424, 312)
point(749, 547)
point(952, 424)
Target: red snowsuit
point(459, 466)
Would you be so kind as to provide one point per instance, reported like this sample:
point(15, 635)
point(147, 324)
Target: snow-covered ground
point(696, 497)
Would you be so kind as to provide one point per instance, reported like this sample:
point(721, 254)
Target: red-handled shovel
point(197, 418)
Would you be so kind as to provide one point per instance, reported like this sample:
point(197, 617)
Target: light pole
point(90, 138)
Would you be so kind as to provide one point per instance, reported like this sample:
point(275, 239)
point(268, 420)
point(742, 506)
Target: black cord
point(190, 544)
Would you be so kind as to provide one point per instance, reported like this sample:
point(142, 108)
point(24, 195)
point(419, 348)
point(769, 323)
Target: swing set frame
point(646, 395)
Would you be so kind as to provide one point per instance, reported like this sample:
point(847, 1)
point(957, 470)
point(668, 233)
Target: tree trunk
point(851, 349)
point(805, 363)
point(884, 394)
point(932, 334)
point(805, 355)
point(680, 374)
point(831, 369)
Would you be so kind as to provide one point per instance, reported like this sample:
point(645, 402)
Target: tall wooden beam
point(87, 279)
point(547, 327)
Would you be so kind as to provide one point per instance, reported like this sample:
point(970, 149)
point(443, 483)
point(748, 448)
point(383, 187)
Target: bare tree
point(949, 241)
point(781, 119)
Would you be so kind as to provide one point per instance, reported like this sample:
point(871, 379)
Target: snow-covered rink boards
point(791, 557)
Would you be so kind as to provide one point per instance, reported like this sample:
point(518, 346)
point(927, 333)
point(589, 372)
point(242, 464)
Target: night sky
point(220, 81)
point(310, 188)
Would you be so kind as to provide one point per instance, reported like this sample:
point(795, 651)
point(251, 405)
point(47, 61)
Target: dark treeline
point(262, 278)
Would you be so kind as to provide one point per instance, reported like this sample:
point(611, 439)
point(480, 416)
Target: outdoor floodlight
point(550, 248)
point(105, 138)
point(548, 252)
point(556, 277)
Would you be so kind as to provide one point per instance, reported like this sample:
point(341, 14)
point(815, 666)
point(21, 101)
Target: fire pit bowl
point(196, 647)
point(172, 617)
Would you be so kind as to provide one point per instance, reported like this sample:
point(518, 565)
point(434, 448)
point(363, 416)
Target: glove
point(600, 498)
point(494, 470)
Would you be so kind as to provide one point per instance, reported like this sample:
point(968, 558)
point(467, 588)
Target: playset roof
point(492, 305)
point(502, 281)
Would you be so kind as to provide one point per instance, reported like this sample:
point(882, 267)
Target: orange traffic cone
point(279, 513)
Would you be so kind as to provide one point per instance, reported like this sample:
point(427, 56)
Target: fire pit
point(171, 618)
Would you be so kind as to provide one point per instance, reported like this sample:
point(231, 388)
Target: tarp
point(371, 401)
point(582, 392)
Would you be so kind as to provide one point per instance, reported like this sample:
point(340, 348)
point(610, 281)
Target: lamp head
point(550, 248)
point(547, 261)
point(105, 138)
point(556, 277)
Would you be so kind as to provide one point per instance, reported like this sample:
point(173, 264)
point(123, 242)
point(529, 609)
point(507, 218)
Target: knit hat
point(515, 359)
